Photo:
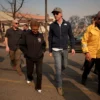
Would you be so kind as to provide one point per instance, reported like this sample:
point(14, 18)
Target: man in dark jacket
point(25, 28)
point(60, 32)
point(12, 38)
point(33, 46)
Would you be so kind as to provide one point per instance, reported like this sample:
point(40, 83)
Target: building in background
point(5, 19)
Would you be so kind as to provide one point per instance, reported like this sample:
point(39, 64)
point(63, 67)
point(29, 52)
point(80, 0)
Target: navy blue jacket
point(60, 35)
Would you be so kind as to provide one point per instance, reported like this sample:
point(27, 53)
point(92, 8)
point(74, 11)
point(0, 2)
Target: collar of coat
point(62, 22)
point(95, 27)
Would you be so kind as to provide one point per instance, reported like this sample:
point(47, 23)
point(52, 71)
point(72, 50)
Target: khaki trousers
point(15, 57)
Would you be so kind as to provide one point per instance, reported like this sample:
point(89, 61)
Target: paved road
point(14, 87)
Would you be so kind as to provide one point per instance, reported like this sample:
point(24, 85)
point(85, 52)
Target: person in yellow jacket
point(91, 49)
point(92, 22)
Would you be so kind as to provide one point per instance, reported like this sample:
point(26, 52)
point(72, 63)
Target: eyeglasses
point(55, 13)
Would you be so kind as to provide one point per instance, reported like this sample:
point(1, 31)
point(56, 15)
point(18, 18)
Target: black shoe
point(98, 92)
point(82, 68)
point(83, 81)
point(63, 68)
point(95, 72)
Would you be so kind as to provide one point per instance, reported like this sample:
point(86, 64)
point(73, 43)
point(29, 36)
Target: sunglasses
point(16, 23)
point(55, 13)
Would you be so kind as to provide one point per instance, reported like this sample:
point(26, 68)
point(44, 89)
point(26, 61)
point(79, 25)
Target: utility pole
point(46, 15)
point(46, 31)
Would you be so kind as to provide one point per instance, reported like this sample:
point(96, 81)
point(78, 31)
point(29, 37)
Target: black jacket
point(59, 36)
point(13, 38)
point(32, 45)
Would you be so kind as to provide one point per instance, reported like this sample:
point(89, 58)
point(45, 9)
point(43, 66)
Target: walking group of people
point(32, 44)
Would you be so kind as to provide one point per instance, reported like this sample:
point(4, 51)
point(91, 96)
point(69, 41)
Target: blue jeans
point(61, 61)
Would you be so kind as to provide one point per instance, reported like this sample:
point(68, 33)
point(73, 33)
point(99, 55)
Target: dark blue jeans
point(61, 61)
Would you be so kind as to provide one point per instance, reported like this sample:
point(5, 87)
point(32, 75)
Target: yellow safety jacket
point(91, 41)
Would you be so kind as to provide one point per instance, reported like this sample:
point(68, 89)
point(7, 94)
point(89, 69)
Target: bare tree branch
point(9, 1)
point(6, 11)
point(14, 7)
point(11, 5)
point(22, 16)
point(4, 8)
point(20, 6)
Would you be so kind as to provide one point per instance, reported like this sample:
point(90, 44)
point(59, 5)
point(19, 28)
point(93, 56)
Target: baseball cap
point(57, 9)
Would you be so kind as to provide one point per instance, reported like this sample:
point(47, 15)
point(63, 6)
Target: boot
point(60, 91)
point(83, 81)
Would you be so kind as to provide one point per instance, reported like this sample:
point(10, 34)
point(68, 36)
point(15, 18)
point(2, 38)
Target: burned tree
point(15, 6)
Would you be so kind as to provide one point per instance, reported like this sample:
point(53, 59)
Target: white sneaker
point(28, 81)
point(39, 91)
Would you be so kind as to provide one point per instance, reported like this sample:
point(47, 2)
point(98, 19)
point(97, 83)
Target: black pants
point(98, 69)
point(88, 67)
point(30, 68)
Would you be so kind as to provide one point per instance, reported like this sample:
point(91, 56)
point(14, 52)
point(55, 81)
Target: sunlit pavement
point(14, 87)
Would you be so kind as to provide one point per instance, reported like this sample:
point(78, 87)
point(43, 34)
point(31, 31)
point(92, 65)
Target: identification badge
point(39, 39)
point(65, 24)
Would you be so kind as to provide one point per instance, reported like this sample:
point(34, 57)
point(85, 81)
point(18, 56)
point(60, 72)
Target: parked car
point(78, 47)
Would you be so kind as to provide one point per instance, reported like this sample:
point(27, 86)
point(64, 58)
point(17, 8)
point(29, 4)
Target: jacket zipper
point(60, 35)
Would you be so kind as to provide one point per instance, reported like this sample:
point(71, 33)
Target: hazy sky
point(69, 7)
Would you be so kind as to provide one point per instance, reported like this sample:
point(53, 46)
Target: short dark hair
point(34, 23)
point(98, 15)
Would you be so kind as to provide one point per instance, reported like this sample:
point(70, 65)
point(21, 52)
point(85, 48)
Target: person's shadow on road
point(1, 59)
point(71, 92)
point(49, 72)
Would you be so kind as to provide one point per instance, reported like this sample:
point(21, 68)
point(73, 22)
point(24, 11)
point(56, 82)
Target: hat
point(57, 9)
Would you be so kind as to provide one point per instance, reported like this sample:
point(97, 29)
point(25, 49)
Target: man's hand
point(7, 49)
point(73, 51)
point(88, 56)
point(50, 54)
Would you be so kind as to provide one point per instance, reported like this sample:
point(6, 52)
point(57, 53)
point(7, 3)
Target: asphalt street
point(14, 87)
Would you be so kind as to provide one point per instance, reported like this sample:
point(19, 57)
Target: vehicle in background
point(78, 47)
